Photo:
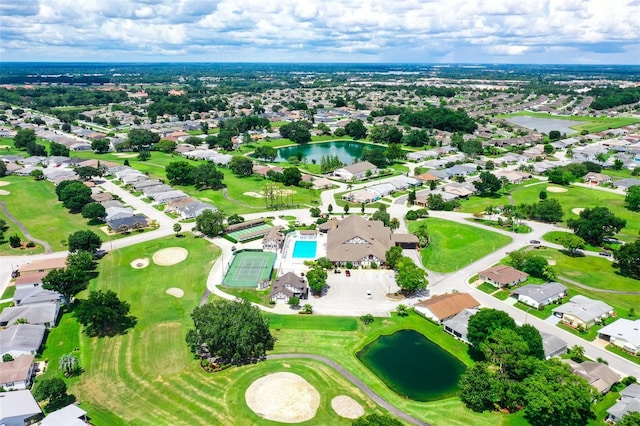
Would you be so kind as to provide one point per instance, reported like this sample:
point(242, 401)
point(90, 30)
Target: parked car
point(369, 294)
point(337, 271)
point(605, 254)
point(347, 273)
point(534, 242)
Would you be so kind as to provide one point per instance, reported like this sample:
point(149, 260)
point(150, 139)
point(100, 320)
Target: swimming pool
point(304, 250)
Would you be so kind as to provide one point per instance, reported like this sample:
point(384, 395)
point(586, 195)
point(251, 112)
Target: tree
point(144, 154)
point(487, 184)
point(37, 174)
point(630, 419)
point(69, 365)
point(375, 156)
point(628, 259)
point(267, 153)
point(416, 138)
point(207, 176)
point(632, 199)
point(548, 149)
point(483, 323)
point(572, 242)
point(381, 215)
point(376, 420)
point(210, 223)
point(3, 169)
point(410, 278)
point(177, 228)
point(346, 208)
point(57, 149)
point(294, 302)
point(52, 390)
point(100, 146)
point(234, 219)
point(232, 330)
point(555, 135)
point(317, 279)
point(104, 314)
point(560, 176)
point(291, 176)
point(166, 146)
point(356, 129)
point(67, 282)
point(142, 139)
point(549, 210)
point(595, 224)
point(94, 211)
point(315, 212)
point(422, 232)
point(84, 240)
point(330, 208)
point(241, 166)
point(532, 337)
point(24, 138)
point(542, 195)
point(81, 261)
point(479, 388)
point(180, 173)
point(298, 131)
point(75, 196)
point(411, 198)
point(393, 256)
point(66, 127)
point(15, 241)
point(536, 266)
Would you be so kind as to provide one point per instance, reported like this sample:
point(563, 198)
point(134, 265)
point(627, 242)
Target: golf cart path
point(12, 218)
point(356, 382)
point(597, 290)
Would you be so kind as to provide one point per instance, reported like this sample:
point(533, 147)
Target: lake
point(347, 151)
point(545, 125)
point(413, 366)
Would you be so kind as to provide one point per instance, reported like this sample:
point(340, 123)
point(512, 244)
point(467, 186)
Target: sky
point(368, 31)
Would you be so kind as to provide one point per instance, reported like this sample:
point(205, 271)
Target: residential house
point(381, 190)
point(287, 286)
point(125, 224)
point(538, 296)
point(598, 375)
point(21, 339)
point(194, 210)
point(30, 279)
point(624, 334)
point(148, 191)
point(163, 197)
point(34, 294)
point(503, 276)
point(18, 408)
point(580, 311)
point(459, 190)
point(458, 325)
point(38, 314)
point(44, 265)
point(71, 415)
point(356, 171)
point(113, 213)
point(552, 345)
point(17, 374)
point(629, 402)
point(512, 176)
point(101, 197)
point(273, 240)
point(321, 183)
point(445, 306)
point(361, 196)
point(596, 178)
point(139, 185)
point(358, 241)
point(625, 184)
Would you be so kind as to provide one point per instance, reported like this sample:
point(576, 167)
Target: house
point(287, 286)
point(513, 176)
point(552, 345)
point(596, 178)
point(125, 224)
point(625, 184)
point(322, 183)
point(148, 191)
point(580, 311)
point(17, 408)
point(38, 314)
point(30, 294)
point(358, 241)
point(600, 376)
point(194, 210)
point(113, 213)
point(21, 339)
point(382, 189)
point(44, 265)
point(460, 190)
point(541, 295)
point(101, 197)
point(503, 276)
point(17, 374)
point(356, 171)
point(458, 325)
point(361, 196)
point(629, 402)
point(623, 333)
point(273, 240)
point(163, 197)
point(445, 306)
point(30, 278)
point(71, 415)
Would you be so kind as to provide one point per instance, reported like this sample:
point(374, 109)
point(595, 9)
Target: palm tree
point(69, 364)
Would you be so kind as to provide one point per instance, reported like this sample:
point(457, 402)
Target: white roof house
point(38, 314)
point(629, 402)
point(21, 339)
point(71, 415)
point(623, 333)
point(580, 311)
point(540, 295)
point(16, 407)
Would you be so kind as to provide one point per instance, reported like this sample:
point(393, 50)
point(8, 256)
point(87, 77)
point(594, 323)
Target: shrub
point(349, 265)
point(31, 244)
point(367, 319)
point(14, 241)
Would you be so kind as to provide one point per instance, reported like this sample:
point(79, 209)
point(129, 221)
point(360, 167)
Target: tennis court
point(243, 234)
point(248, 268)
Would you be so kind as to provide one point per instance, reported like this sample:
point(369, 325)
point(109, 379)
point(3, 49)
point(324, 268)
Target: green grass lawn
point(487, 288)
point(454, 245)
point(623, 354)
point(555, 236)
point(594, 124)
point(260, 297)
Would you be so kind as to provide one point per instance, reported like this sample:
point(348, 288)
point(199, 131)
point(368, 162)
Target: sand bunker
point(140, 263)
point(170, 256)
point(577, 210)
point(347, 407)
point(556, 189)
point(3, 192)
point(121, 155)
point(4, 183)
point(252, 194)
point(283, 397)
point(175, 292)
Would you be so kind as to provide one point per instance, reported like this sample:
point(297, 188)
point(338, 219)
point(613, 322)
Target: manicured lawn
point(8, 292)
point(626, 355)
point(252, 295)
point(518, 229)
point(487, 288)
point(502, 294)
point(543, 313)
point(595, 124)
point(555, 236)
point(311, 322)
point(454, 245)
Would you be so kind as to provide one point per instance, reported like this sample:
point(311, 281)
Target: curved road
point(356, 382)
point(12, 218)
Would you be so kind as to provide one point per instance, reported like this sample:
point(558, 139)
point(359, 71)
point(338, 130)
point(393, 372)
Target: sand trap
point(252, 194)
point(3, 192)
point(121, 155)
point(347, 407)
point(4, 183)
point(170, 256)
point(140, 263)
point(175, 292)
point(5, 147)
point(556, 189)
point(283, 397)
point(577, 210)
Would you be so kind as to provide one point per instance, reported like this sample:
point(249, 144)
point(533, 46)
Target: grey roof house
point(37, 314)
point(18, 406)
point(541, 295)
point(287, 286)
point(21, 339)
point(600, 376)
point(457, 326)
point(629, 402)
point(580, 311)
point(552, 345)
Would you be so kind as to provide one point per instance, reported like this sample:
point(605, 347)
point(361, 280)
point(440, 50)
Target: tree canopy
point(234, 331)
point(595, 224)
point(142, 139)
point(632, 199)
point(487, 184)
point(68, 282)
point(241, 166)
point(317, 279)
point(628, 259)
point(210, 223)
point(75, 196)
point(84, 240)
point(298, 131)
point(410, 277)
point(104, 314)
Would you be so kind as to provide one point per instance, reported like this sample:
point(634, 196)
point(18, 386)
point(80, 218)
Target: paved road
point(12, 218)
point(355, 381)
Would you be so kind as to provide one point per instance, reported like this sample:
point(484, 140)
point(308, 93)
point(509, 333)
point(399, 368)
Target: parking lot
point(350, 295)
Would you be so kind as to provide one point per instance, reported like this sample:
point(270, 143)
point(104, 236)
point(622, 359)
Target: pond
point(347, 151)
point(413, 366)
point(545, 125)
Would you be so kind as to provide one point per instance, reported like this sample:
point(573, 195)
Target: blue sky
point(373, 31)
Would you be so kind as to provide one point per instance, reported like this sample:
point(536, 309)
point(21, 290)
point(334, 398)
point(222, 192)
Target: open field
point(595, 124)
point(454, 245)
